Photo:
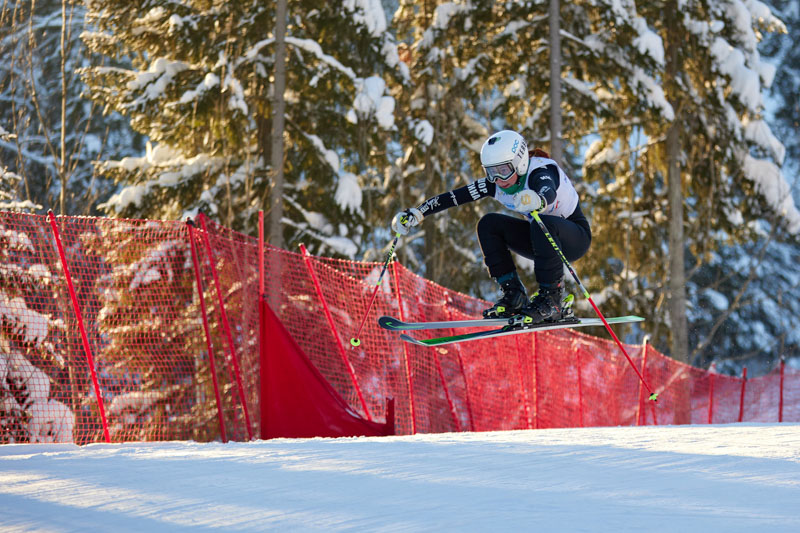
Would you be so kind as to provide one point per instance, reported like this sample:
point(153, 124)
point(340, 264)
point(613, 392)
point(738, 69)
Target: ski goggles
point(503, 171)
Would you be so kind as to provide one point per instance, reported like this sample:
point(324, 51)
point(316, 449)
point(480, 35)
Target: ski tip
point(633, 318)
point(355, 343)
point(412, 340)
point(388, 322)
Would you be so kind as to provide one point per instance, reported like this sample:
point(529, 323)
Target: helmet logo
point(493, 140)
point(514, 147)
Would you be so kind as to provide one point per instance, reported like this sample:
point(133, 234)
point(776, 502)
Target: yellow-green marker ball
point(355, 342)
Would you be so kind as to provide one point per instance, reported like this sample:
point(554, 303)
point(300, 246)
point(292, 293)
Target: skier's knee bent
point(489, 227)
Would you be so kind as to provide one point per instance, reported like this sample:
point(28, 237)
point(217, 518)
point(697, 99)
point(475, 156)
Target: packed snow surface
point(681, 478)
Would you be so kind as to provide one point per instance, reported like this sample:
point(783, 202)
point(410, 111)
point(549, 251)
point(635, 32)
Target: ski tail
point(395, 324)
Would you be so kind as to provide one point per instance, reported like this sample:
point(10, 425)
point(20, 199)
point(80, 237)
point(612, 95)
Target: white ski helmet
point(504, 153)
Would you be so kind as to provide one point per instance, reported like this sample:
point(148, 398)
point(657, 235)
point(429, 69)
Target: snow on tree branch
point(771, 184)
point(315, 49)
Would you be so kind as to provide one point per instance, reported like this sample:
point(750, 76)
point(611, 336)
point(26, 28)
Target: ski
point(394, 324)
point(513, 330)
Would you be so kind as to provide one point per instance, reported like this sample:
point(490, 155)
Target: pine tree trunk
point(555, 82)
point(278, 121)
point(677, 273)
point(432, 243)
point(276, 160)
point(62, 162)
point(677, 278)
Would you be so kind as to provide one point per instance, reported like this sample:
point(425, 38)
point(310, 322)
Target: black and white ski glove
point(405, 220)
point(527, 201)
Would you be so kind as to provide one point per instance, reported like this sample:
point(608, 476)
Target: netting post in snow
point(204, 316)
point(84, 337)
point(442, 379)
point(226, 326)
point(780, 394)
point(467, 398)
point(406, 354)
point(578, 364)
point(641, 414)
point(521, 379)
point(535, 343)
point(334, 332)
point(710, 397)
point(741, 396)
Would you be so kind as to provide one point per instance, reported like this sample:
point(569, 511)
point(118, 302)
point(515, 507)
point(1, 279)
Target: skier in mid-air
point(523, 183)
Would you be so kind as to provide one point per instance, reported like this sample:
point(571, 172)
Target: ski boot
point(513, 299)
point(547, 305)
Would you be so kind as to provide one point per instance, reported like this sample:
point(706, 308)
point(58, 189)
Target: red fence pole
point(642, 413)
point(535, 344)
point(446, 391)
point(741, 397)
point(405, 353)
point(655, 416)
point(226, 326)
point(262, 353)
point(87, 350)
point(780, 397)
point(711, 398)
point(202, 300)
point(260, 254)
point(463, 375)
point(329, 317)
point(526, 404)
point(580, 382)
point(466, 391)
point(644, 376)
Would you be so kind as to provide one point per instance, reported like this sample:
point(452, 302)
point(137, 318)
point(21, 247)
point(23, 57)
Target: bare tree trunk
point(62, 161)
point(278, 121)
point(555, 82)
point(677, 278)
point(432, 243)
point(677, 273)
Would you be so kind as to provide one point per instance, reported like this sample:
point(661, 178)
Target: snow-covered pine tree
point(31, 90)
point(716, 98)
point(494, 57)
point(747, 307)
point(748, 297)
point(200, 90)
point(780, 49)
point(613, 70)
point(609, 56)
point(441, 134)
point(36, 390)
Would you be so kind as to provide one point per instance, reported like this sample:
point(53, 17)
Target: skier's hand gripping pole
point(355, 341)
point(535, 215)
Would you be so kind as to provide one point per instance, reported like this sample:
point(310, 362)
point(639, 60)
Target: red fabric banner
point(296, 400)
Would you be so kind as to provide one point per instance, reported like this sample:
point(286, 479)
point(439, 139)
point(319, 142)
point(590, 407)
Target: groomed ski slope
point(682, 478)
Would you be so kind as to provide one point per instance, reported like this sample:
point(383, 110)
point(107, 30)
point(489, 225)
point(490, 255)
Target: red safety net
point(104, 335)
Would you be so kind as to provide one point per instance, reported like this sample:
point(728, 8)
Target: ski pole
point(535, 215)
point(355, 341)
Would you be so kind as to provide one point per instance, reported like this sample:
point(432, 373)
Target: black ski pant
point(499, 235)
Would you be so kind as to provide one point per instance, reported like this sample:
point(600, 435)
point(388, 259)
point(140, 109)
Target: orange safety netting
point(111, 308)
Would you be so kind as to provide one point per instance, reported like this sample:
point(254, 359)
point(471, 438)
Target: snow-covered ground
point(688, 478)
